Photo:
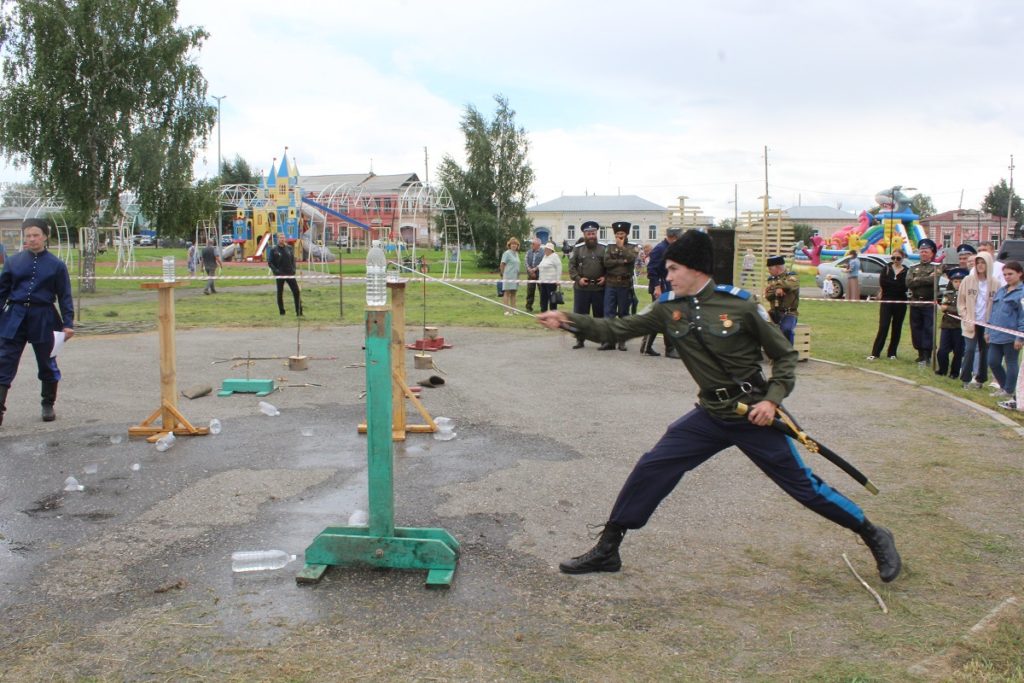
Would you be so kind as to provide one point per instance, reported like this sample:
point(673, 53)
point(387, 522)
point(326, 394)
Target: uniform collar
point(706, 292)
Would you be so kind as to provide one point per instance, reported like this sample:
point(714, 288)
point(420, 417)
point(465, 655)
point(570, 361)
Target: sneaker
point(892, 357)
point(973, 384)
point(999, 394)
point(923, 362)
point(872, 357)
point(994, 385)
point(1008, 405)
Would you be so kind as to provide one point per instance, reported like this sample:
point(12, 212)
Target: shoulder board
point(734, 291)
point(791, 273)
point(667, 296)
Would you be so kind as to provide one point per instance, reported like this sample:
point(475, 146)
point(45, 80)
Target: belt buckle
point(722, 394)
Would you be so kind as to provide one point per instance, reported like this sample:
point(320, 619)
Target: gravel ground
point(130, 579)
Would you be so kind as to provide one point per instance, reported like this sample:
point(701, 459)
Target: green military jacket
point(734, 330)
point(789, 302)
point(619, 263)
point(588, 263)
point(949, 301)
point(923, 281)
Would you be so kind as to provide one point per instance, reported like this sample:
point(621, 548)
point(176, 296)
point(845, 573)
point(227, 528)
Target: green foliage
point(491, 194)
point(802, 232)
point(727, 224)
point(102, 96)
point(997, 201)
point(237, 172)
point(922, 205)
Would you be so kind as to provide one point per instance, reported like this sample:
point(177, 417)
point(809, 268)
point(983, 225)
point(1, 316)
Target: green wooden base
point(260, 387)
point(435, 550)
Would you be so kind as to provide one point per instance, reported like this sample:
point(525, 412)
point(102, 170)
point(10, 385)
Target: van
point(1011, 250)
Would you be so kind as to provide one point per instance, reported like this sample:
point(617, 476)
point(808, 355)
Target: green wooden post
point(378, 422)
point(381, 544)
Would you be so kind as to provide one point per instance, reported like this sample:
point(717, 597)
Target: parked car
point(871, 266)
point(226, 240)
point(145, 241)
point(1013, 250)
point(341, 242)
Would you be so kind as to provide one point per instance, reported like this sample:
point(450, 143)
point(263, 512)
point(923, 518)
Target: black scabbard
point(816, 447)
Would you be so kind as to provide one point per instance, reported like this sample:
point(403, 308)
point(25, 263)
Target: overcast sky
point(657, 99)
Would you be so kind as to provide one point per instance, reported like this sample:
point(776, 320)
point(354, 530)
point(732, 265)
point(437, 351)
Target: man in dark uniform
point(951, 337)
point(534, 255)
point(656, 284)
point(782, 292)
point(720, 335)
point(31, 281)
point(586, 269)
point(923, 285)
point(281, 260)
point(619, 262)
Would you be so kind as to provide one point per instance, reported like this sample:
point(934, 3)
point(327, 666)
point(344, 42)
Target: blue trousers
point(617, 301)
point(1007, 377)
point(972, 344)
point(922, 329)
point(788, 327)
point(698, 435)
point(588, 302)
point(10, 356)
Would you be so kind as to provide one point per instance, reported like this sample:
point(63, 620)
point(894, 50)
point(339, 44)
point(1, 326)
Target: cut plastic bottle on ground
point(268, 409)
point(259, 560)
point(71, 484)
point(165, 442)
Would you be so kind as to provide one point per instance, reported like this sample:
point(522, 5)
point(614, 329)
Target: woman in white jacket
point(549, 272)
point(973, 305)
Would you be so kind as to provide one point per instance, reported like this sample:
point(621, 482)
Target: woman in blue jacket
point(1007, 312)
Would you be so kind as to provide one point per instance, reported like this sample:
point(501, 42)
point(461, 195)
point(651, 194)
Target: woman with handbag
point(549, 273)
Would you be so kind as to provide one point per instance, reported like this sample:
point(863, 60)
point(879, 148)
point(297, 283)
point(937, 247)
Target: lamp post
point(220, 212)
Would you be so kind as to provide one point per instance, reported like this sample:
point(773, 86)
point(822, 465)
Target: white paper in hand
point(58, 343)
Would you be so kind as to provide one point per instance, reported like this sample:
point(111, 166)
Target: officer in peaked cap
point(951, 338)
point(656, 285)
point(586, 269)
point(923, 287)
point(965, 254)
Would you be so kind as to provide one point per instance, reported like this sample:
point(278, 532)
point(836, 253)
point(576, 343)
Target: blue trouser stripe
point(694, 438)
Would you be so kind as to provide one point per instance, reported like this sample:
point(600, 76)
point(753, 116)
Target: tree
point(802, 232)
point(921, 204)
point(997, 201)
point(727, 224)
point(491, 194)
point(101, 97)
point(238, 172)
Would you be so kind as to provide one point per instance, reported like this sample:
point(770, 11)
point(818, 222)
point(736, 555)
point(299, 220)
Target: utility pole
point(426, 182)
point(220, 181)
point(1009, 202)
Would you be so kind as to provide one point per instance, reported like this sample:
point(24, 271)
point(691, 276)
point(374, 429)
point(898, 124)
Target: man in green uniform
point(586, 269)
point(619, 261)
point(719, 334)
point(923, 286)
point(783, 296)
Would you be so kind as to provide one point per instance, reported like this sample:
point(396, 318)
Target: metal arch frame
point(419, 197)
point(53, 209)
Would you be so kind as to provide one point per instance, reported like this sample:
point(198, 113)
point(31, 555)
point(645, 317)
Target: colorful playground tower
point(895, 227)
point(275, 208)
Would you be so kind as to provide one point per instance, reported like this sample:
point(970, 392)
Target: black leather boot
point(49, 395)
point(603, 557)
point(607, 346)
point(882, 544)
point(647, 347)
point(3, 402)
point(579, 343)
point(622, 346)
point(670, 352)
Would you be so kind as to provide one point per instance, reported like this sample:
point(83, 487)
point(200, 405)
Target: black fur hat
point(692, 250)
point(36, 223)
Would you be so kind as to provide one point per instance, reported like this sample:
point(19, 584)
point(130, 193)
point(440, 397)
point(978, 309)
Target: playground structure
point(32, 203)
point(278, 204)
point(895, 227)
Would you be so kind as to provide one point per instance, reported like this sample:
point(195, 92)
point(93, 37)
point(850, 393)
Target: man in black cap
point(586, 268)
point(619, 262)
point(965, 254)
point(31, 282)
point(782, 292)
point(720, 335)
point(656, 284)
point(923, 287)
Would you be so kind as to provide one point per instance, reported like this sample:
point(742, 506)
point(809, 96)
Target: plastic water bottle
point(445, 429)
point(165, 442)
point(168, 268)
point(259, 560)
point(358, 518)
point(71, 484)
point(215, 426)
point(376, 276)
point(268, 409)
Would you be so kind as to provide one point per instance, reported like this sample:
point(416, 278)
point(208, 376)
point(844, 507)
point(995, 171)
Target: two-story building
point(951, 228)
point(825, 219)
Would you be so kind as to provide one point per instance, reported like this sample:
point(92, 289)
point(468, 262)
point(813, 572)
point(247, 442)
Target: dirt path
point(130, 579)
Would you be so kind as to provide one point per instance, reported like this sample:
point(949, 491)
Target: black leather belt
point(753, 383)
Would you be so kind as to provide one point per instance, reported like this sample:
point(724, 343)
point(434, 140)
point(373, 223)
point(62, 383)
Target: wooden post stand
point(400, 384)
point(170, 419)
